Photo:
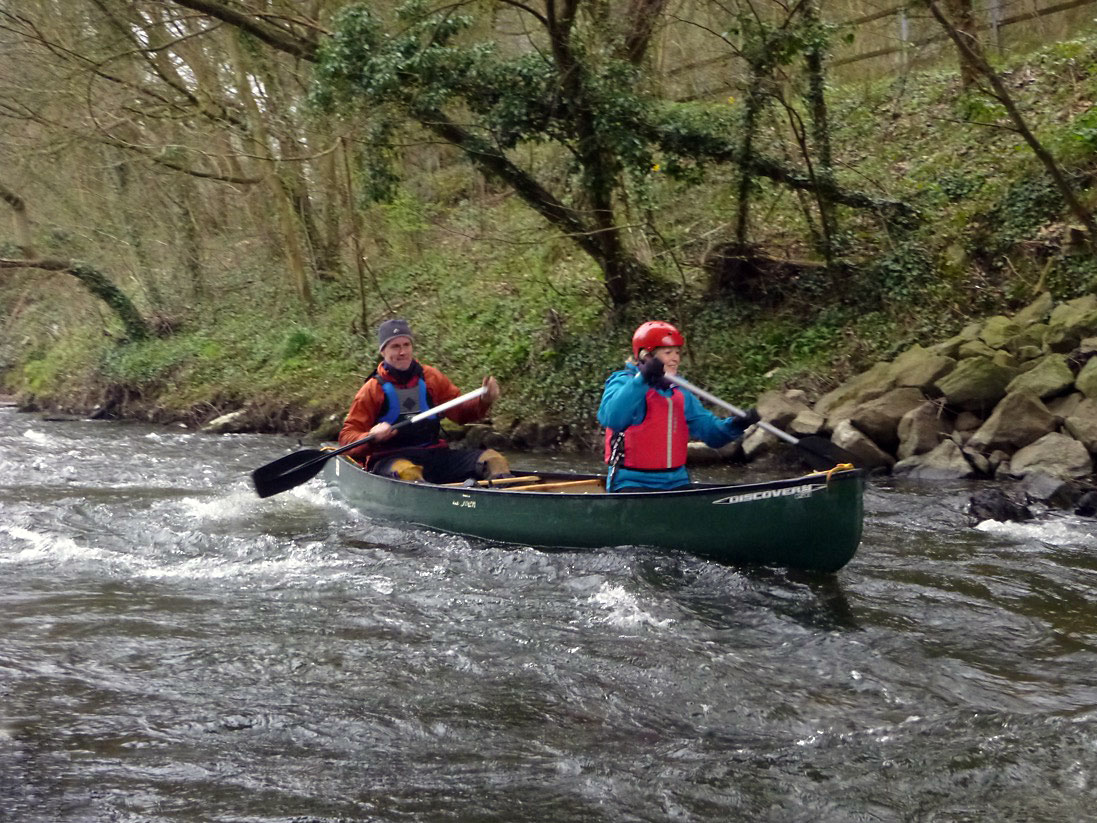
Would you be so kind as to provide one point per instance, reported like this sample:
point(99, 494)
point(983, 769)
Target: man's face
point(398, 353)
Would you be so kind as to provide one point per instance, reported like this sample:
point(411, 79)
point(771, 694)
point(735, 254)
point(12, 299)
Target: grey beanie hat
point(391, 329)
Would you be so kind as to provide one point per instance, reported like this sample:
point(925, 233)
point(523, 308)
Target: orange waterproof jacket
point(366, 407)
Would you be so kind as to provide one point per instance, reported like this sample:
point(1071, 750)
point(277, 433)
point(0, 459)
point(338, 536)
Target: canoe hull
point(812, 523)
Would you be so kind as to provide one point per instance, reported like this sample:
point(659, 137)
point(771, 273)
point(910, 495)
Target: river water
point(174, 649)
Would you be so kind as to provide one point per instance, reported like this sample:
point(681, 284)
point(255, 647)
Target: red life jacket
point(659, 441)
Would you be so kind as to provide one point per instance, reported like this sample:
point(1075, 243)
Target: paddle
point(819, 452)
point(301, 466)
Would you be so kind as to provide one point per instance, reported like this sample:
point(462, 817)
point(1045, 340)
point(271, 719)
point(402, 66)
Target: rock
point(1055, 491)
point(1035, 312)
point(919, 368)
point(1070, 322)
point(475, 436)
point(921, 430)
point(1026, 354)
point(777, 409)
point(998, 330)
point(879, 418)
point(946, 462)
point(1087, 505)
point(1031, 337)
point(526, 434)
point(995, 504)
point(698, 454)
point(976, 384)
point(1082, 424)
point(758, 442)
point(868, 454)
point(996, 459)
point(231, 423)
point(496, 440)
point(865, 386)
point(1086, 381)
point(1063, 407)
point(967, 422)
point(807, 422)
point(975, 348)
point(1050, 376)
point(1018, 420)
point(1054, 454)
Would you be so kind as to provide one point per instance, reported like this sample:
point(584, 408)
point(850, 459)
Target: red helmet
point(655, 333)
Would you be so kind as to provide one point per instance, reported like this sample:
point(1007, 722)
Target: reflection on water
point(174, 649)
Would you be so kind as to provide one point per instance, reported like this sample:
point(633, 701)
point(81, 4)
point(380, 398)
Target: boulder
point(920, 368)
point(865, 386)
point(1027, 353)
point(976, 383)
point(1018, 420)
point(1035, 312)
point(1063, 407)
point(995, 504)
point(921, 430)
point(1030, 337)
point(1055, 454)
point(475, 436)
point(807, 422)
point(758, 442)
point(946, 462)
point(975, 348)
point(879, 418)
point(967, 422)
point(1049, 377)
point(1082, 424)
point(1086, 505)
point(1070, 322)
point(779, 409)
point(998, 330)
point(1086, 381)
point(1055, 491)
point(868, 454)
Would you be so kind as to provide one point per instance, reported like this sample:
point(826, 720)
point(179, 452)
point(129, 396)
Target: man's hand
point(492, 385)
point(750, 417)
point(382, 431)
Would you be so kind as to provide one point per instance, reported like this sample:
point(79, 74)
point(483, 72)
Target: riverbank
point(488, 291)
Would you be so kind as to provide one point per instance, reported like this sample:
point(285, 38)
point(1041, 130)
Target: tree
point(97, 284)
point(575, 82)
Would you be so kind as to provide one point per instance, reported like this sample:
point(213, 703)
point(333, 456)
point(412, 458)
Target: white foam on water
point(266, 558)
point(39, 547)
point(623, 609)
point(221, 508)
point(1059, 532)
point(41, 438)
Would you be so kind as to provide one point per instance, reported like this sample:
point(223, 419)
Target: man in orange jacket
point(400, 388)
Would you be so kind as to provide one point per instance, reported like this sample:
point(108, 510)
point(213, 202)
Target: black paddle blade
point(821, 454)
point(289, 471)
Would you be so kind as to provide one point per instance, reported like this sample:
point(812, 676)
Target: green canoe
point(811, 522)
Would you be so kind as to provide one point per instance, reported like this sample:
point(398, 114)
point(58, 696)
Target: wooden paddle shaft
point(716, 401)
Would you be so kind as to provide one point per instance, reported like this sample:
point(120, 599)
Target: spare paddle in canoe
point(294, 469)
point(819, 452)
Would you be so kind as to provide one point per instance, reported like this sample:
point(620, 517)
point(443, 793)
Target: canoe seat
point(592, 486)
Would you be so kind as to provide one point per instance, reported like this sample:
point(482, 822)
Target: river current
point(174, 649)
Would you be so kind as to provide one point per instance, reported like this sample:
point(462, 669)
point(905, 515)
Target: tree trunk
point(98, 284)
point(817, 103)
